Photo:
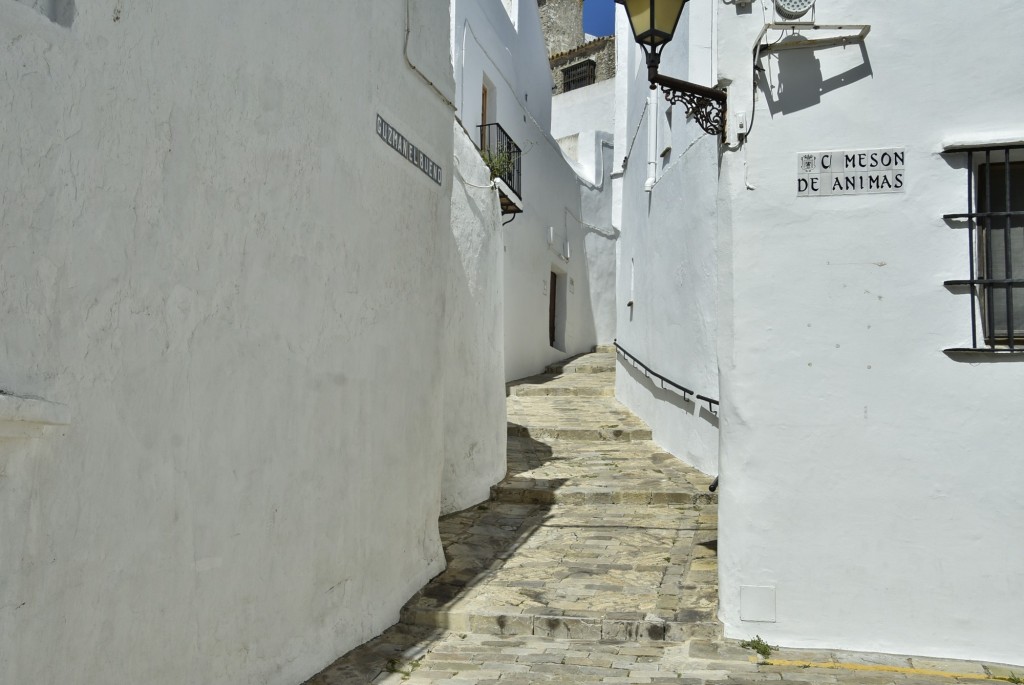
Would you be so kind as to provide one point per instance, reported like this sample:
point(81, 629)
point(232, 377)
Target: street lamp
point(654, 23)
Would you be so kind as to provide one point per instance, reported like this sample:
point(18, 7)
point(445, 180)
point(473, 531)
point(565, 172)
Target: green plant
point(395, 666)
point(1015, 679)
point(500, 162)
point(759, 646)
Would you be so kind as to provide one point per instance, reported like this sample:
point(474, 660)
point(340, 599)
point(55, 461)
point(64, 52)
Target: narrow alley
point(594, 561)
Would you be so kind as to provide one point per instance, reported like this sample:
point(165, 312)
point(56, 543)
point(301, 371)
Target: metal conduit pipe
point(652, 142)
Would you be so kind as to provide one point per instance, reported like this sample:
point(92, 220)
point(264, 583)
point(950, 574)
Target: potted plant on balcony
point(500, 162)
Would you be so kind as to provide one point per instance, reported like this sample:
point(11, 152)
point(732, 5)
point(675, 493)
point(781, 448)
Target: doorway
point(556, 310)
point(552, 308)
point(488, 109)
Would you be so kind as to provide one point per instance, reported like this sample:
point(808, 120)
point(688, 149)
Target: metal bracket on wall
point(848, 34)
point(706, 105)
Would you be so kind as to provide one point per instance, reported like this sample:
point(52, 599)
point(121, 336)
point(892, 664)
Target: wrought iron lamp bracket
point(706, 105)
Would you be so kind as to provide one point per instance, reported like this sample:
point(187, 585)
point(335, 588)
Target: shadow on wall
point(581, 288)
point(667, 395)
point(58, 11)
point(800, 80)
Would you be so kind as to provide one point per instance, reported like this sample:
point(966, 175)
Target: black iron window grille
point(995, 235)
point(502, 156)
point(579, 75)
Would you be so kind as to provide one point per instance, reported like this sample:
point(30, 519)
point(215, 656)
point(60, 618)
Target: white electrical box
point(757, 603)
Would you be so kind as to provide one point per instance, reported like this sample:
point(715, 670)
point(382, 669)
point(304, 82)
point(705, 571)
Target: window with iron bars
point(579, 75)
point(995, 227)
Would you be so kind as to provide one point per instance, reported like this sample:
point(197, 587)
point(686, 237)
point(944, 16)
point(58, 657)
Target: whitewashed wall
point(512, 56)
point(595, 164)
point(585, 109)
point(870, 480)
point(667, 253)
point(583, 123)
point(474, 383)
point(224, 275)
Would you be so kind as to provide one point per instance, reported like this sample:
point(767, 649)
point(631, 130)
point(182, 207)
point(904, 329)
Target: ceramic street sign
point(851, 172)
point(402, 146)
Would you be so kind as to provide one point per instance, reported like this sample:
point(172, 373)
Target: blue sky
point(599, 17)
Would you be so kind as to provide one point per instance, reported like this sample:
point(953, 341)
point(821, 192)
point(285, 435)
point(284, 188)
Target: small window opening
point(995, 246)
point(1001, 250)
point(579, 75)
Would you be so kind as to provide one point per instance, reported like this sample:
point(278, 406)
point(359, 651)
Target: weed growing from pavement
point(759, 646)
point(395, 666)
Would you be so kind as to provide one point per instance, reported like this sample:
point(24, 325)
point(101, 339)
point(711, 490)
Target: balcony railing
point(505, 160)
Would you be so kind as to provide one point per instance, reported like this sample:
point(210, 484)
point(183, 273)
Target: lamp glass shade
point(653, 21)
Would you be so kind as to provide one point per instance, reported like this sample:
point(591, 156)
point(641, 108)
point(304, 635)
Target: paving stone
point(947, 666)
point(1004, 671)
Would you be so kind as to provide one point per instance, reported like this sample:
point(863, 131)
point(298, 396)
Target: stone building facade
point(576, 62)
point(584, 65)
point(562, 22)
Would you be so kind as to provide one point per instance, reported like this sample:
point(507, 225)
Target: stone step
point(605, 349)
point(610, 433)
point(593, 362)
point(609, 473)
point(571, 385)
point(608, 571)
point(623, 629)
point(581, 367)
point(586, 419)
point(543, 492)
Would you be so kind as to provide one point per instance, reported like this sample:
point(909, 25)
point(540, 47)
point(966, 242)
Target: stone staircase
point(595, 534)
point(593, 563)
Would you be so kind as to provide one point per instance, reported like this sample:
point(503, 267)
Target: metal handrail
point(648, 371)
point(503, 156)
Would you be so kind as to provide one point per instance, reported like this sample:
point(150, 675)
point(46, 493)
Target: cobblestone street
point(593, 562)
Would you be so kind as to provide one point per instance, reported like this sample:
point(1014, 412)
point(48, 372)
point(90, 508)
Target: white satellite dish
point(793, 9)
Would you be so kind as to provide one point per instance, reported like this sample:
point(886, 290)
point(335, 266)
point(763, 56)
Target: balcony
point(505, 160)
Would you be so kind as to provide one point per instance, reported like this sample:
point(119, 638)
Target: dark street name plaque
point(413, 154)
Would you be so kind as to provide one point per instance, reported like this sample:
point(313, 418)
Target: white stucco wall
point(512, 57)
point(551, 196)
point(215, 264)
point(584, 109)
point(667, 255)
point(596, 162)
point(474, 382)
point(505, 36)
point(869, 479)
